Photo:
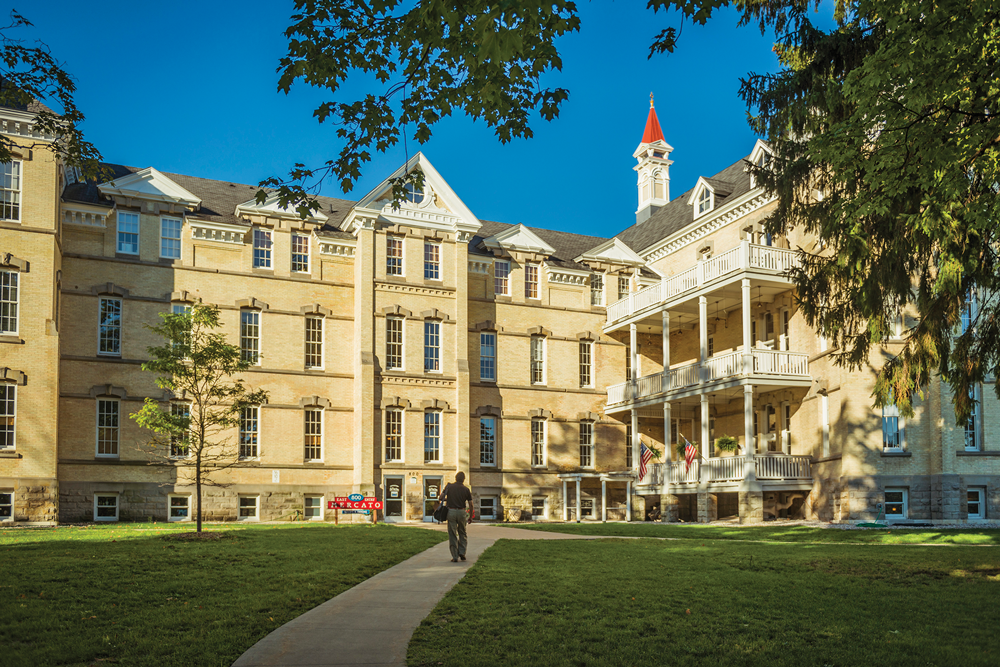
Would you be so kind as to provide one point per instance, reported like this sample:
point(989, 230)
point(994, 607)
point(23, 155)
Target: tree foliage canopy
point(30, 74)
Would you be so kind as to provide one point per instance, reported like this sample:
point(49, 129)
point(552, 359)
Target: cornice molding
point(221, 232)
point(563, 276)
point(338, 247)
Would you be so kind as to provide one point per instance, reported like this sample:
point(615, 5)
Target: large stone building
point(401, 345)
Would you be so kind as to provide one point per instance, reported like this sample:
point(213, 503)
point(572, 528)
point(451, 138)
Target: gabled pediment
point(761, 150)
point(437, 207)
point(149, 185)
point(272, 209)
point(612, 251)
point(519, 239)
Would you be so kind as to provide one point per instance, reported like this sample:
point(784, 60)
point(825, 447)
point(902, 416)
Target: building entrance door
point(432, 492)
point(394, 499)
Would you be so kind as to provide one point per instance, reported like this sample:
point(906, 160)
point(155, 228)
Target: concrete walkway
point(371, 624)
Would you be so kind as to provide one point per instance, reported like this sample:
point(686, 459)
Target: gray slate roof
point(678, 214)
point(566, 245)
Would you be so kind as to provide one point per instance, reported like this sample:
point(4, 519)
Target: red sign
point(345, 503)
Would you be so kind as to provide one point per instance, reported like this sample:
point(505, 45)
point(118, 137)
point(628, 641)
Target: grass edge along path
point(136, 594)
point(718, 602)
point(775, 533)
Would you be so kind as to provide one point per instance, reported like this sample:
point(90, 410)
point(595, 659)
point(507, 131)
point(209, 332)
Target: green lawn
point(137, 595)
point(802, 534)
point(712, 603)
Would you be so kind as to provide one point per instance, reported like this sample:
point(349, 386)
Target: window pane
point(393, 343)
point(180, 507)
point(10, 191)
point(596, 290)
point(585, 364)
point(110, 327)
point(531, 281)
point(261, 249)
point(314, 342)
point(8, 301)
point(432, 346)
point(170, 238)
point(487, 441)
point(488, 357)
point(537, 442)
point(501, 278)
point(432, 437)
point(394, 435)
point(7, 415)
point(107, 427)
point(248, 433)
point(300, 253)
point(128, 233)
point(586, 444)
point(537, 360)
point(314, 435)
point(250, 336)
point(393, 255)
point(432, 261)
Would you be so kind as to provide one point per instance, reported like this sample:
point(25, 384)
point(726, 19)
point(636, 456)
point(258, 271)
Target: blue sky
point(190, 87)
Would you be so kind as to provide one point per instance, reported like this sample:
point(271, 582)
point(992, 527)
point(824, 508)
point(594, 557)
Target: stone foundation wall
point(35, 500)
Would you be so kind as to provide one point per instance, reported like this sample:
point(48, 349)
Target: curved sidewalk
point(371, 624)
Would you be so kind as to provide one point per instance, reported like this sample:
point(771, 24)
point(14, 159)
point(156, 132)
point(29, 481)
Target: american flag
point(645, 456)
point(689, 454)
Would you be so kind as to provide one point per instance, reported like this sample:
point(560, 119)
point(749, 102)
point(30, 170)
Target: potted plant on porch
point(727, 443)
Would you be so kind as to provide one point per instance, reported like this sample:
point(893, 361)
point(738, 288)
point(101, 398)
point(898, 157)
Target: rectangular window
point(180, 508)
point(537, 360)
point(711, 346)
point(261, 249)
point(972, 426)
point(786, 328)
point(6, 505)
point(314, 342)
point(109, 327)
point(250, 336)
point(501, 278)
point(432, 437)
point(531, 281)
point(891, 432)
point(787, 423)
point(394, 343)
point(432, 347)
point(107, 427)
point(432, 261)
point(772, 429)
point(587, 507)
point(488, 507)
point(314, 508)
point(10, 190)
point(628, 445)
point(623, 286)
point(8, 415)
point(249, 425)
point(314, 435)
point(895, 503)
point(179, 442)
point(249, 508)
point(596, 289)
point(539, 508)
point(976, 505)
point(394, 435)
point(628, 363)
point(487, 441)
point(538, 442)
point(170, 238)
point(128, 233)
point(586, 368)
point(393, 255)
point(300, 253)
point(586, 445)
point(8, 301)
point(487, 356)
point(105, 507)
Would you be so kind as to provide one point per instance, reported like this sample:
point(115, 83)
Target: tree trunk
point(197, 488)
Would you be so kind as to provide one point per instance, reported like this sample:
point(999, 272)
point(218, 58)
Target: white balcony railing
point(770, 363)
point(743, 257)
point(770, 467)
point(782, 466)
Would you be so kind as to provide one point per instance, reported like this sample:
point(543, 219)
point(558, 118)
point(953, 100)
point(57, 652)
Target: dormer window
point(704, 201)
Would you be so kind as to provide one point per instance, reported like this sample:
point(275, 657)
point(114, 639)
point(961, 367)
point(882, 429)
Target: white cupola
point(653, 156)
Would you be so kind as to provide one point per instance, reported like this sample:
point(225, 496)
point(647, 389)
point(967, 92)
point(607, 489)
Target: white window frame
point(314, 341)
point(248, 335)
point(110, 329)
point(170, 507)
point(587, 445)
point(395, 350)
point(492, 516)
point(536, 359)
point(545, 508)
point(597, 289)
point(244, 433)
point(786, 427)
point(586, 363)
point(10, 290)
point(394, 264)
point(587, 508)
point(432, 436)
point(14, 178)
point(8, 416)
point(891, 412)
point(432, 346)
point(539, 436)
point(240, 506)
point(394, 434)
point(531, 282)
point(624, 286)
point(263, 247)
point(117, 506)
point(117, 429)
point(432, 260)
point(705, 201)
point(164, 219)
point(300, 256)
point(487, 362)
point(488, 444)
point(130, 225)
point(974, 426)
point(313, 429)
point(305, 507)
point(6, 506)
point(179, 409)
point(904, 503)
point(980, 491)
point(501, 278)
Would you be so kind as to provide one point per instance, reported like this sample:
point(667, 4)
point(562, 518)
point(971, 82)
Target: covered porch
point(574, 510)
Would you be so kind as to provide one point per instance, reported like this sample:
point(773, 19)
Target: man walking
point(455, 497)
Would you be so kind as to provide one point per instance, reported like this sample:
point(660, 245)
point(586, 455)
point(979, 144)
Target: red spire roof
point(653, 131)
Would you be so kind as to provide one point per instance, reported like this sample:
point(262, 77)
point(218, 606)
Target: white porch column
point(604, 500)
point(749, 473)
point(635, 441)
point(666, 341)
point(703, 335)
point(628, 500)
point(668, 455)
point(578, 503)
point(747, 350)
point(633, 333)
point(706, 447)
point(565, 502)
